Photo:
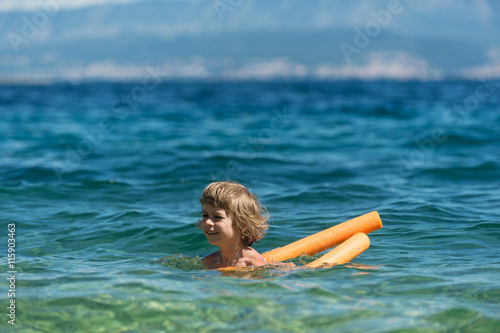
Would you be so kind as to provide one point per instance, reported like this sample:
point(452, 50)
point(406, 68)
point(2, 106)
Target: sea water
point(102, 180)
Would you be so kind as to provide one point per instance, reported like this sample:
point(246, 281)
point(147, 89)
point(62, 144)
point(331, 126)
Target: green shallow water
point(106, 240)
point(147, 298)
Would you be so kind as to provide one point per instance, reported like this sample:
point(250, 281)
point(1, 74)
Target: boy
point(232, 219)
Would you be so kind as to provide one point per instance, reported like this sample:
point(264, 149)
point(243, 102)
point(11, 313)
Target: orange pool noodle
point(345, 252)
point(326, 239)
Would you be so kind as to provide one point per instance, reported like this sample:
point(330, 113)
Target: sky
point(250, 39)
point(33, 5)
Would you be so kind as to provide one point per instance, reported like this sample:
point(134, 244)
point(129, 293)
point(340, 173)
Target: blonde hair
point(248, 215)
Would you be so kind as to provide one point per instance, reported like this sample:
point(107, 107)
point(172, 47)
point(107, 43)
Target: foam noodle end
point(345, 252)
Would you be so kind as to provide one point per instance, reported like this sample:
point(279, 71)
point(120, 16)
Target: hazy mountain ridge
point(165, 33)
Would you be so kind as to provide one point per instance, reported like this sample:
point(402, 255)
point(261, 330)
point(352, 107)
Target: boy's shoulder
point(211, 259)
point(253, 258)
point(250, 258)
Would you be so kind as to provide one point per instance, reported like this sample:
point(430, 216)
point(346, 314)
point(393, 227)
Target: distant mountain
point(246, 39)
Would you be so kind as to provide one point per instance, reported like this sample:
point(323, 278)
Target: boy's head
point(243, 207)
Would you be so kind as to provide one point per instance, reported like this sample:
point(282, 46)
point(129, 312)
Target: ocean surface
point(102, 182)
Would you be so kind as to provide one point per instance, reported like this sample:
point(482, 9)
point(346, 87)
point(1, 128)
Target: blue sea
point(102, 180)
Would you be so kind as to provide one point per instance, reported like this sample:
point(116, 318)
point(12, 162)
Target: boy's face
point(218, 227)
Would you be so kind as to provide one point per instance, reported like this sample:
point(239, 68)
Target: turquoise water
point(99, 191)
